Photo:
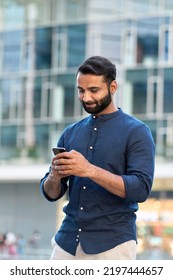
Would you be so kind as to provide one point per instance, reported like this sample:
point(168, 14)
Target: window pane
point(14, 13)
point(13, 99)
point(8, 135)
point(37, 97)
point(137, 76)
point(69, 101)
point(12, 48)
point(42, 135)
point(76, 44)
point(152, 125)
point(139, 98)
point(168, 97)
point(1, 52)
point(64, 10)
point(5, 89)
point(103, 37)
point(43, 45)
point(60, 47)
point(147, 41)
point(67, 83)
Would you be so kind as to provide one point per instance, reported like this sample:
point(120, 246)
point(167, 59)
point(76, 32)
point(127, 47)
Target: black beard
point(99, 106)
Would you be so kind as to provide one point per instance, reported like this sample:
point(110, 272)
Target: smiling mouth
point(89, 104)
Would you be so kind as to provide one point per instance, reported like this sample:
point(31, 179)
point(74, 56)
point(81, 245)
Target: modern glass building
point(41, 45)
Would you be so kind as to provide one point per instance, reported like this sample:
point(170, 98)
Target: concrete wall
point(23, 210)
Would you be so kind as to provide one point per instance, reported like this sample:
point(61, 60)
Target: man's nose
point(87, 97)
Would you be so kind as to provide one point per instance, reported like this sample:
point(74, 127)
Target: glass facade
point(40, 53)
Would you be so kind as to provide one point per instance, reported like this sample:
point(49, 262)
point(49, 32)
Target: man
point(108, 168)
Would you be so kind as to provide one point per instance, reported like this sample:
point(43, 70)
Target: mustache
point(88, 103)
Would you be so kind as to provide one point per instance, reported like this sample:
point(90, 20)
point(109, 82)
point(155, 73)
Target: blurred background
point(41, 45)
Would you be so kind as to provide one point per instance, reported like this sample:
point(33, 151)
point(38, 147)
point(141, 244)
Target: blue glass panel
point(76, 44)
point(37, 97)
point(12, 49)
point(8, 135)
point(139, 98)
point(43, 48)
point(147, 39)
point(5, 88)
point(12, 98)
point(69, 101)
point(168, 97)
point(42, 135)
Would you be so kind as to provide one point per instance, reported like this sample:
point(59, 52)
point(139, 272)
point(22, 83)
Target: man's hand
point(70, 163)
point(74, 163)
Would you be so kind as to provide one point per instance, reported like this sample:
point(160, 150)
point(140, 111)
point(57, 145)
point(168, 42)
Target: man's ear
point(113, 87)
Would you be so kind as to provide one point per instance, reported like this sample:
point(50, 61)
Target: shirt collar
point(107, 116)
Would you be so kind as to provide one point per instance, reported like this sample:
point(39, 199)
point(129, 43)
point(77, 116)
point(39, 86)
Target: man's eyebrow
point(91, 87)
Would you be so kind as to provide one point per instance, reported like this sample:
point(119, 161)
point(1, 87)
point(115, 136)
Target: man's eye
point(94, 90)
point(80, 90)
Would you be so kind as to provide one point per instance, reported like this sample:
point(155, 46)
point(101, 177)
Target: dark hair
point(98, 65)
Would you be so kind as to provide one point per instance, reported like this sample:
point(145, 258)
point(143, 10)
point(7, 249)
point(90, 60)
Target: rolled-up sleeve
point(64, 187)
point(140, 157)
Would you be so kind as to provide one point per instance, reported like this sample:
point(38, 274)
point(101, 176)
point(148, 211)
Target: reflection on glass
point(12, 49)
point(43, 48)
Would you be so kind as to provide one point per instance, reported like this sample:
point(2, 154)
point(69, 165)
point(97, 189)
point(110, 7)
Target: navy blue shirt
point(96, 218)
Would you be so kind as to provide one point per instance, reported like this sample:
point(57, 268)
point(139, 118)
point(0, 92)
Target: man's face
point(93, 93)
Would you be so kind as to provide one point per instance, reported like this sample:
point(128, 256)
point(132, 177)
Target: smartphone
point(58, 150)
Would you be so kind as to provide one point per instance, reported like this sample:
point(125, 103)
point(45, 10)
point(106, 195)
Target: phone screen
point(58, 150)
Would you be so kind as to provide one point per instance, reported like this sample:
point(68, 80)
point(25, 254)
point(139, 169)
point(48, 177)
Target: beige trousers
point(124, 251)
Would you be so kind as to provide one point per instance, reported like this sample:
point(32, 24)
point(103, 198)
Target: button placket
point(77, 236)
point(83, 187)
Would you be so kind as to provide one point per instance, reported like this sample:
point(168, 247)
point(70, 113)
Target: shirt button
point(84, 188)
point(77, 239)
point(80, 229)
point(95, 128)
point(81, 208)
point(94, 117)
point(91, 147)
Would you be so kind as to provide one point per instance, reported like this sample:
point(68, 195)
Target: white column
point(58, 104)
